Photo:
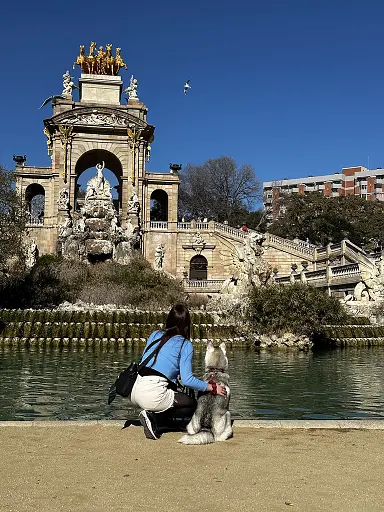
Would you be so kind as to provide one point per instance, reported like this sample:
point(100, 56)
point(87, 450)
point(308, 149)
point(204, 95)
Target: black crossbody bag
point(125, 381)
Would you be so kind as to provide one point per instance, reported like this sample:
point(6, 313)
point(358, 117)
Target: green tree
point(323, 219)
point(218, 190)
point(12, 225)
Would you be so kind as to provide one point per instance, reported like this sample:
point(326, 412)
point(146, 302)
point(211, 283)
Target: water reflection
point(49, 383)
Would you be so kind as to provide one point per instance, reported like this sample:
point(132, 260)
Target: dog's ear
point(222, 346)
point(210, 347)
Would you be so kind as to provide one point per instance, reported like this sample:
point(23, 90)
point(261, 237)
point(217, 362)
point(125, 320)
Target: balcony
point(158, 224)
point(203, 285)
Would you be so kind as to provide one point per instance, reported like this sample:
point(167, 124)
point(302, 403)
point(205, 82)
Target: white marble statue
point(133, 204)
point(65, 229)
point(63, 201)
point(68, 85)
point(98, 186)
point(159, 256)
point(132, 89)
point(32, 254)
point(248, 266)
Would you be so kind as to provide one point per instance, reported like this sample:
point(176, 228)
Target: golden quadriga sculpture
point(100, 62)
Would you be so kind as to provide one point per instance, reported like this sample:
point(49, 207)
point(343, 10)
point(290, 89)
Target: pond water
point(51, 383)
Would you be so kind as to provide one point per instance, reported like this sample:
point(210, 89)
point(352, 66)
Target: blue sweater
point(170, 364)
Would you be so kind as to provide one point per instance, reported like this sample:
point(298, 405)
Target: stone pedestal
point(101, 89)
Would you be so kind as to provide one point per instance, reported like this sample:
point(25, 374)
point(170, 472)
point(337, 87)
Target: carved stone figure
point(32, 254)
point(133, 204)
point(63, 201)
point(198, 239)
point(198, 242)
point(98, 186)
point(132, 89)
point(65, 229)
point(68, 85)
point(248, 267)
point(159, 256)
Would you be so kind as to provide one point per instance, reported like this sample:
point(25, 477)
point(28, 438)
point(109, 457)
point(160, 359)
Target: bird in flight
point(51, 98)
point(186, 86)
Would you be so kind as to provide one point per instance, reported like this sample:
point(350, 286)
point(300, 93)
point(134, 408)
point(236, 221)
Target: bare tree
point(12, 222)
point(217, 189)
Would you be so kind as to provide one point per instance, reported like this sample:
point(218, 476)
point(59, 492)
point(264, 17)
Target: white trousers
point(152, 393)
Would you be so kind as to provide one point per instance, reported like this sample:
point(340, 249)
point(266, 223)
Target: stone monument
point(95, 234)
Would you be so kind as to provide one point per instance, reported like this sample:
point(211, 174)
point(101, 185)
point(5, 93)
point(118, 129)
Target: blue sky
point(291, 87)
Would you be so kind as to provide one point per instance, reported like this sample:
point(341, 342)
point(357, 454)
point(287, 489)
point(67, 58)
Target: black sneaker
point(147, 419)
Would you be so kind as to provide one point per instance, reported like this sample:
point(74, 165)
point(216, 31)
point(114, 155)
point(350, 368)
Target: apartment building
point(358, 181)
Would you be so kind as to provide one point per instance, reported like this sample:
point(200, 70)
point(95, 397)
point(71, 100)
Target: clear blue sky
point(293, 87)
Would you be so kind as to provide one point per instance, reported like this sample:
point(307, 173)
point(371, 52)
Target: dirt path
point(104, 468)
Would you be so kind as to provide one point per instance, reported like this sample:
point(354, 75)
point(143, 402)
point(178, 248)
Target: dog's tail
point(203, 437)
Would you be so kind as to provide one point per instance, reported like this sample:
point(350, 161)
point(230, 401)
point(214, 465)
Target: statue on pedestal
point(98, 186)
point(132, 89)
point(68, 85)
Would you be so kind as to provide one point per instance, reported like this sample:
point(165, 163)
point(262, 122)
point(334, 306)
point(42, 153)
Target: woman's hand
point(220, 390)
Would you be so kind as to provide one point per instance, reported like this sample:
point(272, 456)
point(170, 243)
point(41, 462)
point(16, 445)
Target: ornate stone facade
point(99, 131)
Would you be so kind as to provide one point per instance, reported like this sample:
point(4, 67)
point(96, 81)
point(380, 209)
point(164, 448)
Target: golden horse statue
point(100, 63)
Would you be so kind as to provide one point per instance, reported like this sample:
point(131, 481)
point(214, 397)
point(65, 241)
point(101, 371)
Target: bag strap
point(147, 359)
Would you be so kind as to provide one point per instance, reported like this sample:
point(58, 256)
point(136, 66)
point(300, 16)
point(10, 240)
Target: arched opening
point(159, 206)
point(198, 268)
point(86, 169)
point(35, 203)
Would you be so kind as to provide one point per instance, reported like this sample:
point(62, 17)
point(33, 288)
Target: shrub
point(293, 308)
point(54, 280)
point(197, 300)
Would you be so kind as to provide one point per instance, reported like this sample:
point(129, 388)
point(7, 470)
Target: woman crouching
point(155, 390)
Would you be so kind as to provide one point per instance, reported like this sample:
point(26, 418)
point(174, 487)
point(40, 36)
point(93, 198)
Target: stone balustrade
point(34, 221)
point(158, 224)
point(225, 228)
point(349, 273)
point(346, 270)
point(203, 283)
point(298, 246)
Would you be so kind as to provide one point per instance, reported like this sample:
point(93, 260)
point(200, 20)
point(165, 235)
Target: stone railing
point(183, 225)
point(158, 224)
point(203, 283)
point(315, 275)
point(225, 228)
point(323, 277)
point(34, 221)
point(298, 246)
point(202, 225)
point(346, 270)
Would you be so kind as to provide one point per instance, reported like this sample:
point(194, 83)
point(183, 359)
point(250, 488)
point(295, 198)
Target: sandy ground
point(105, 468)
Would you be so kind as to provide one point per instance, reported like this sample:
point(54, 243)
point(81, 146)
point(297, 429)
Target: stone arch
point(93, 156)
point(34, 198)
point(198, 268)
point(159, 206)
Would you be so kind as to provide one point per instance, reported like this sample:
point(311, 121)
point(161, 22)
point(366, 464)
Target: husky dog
point(211, 421)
